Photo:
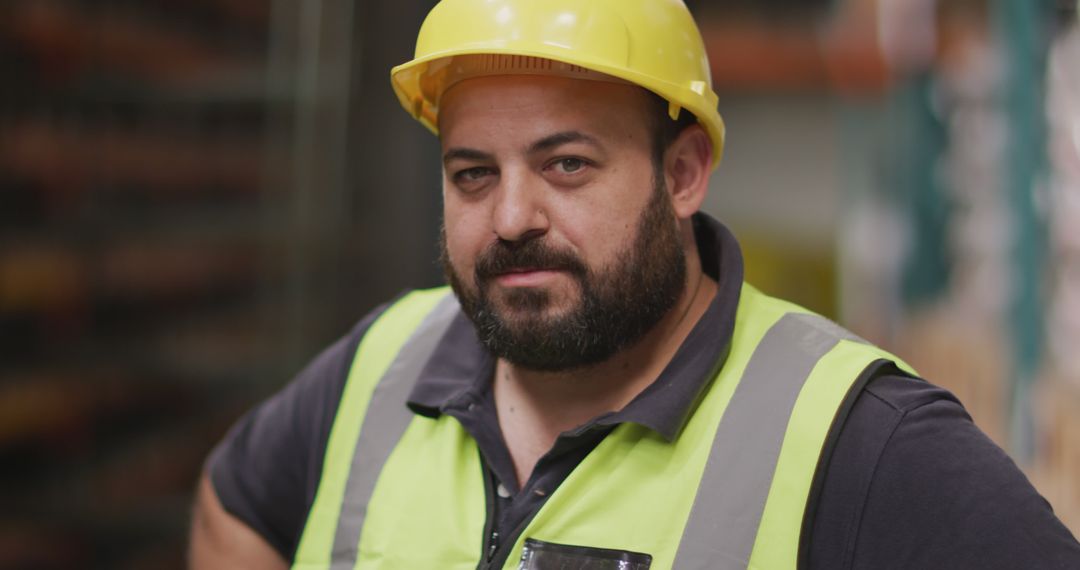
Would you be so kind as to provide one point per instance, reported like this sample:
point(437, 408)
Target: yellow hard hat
point(651, 43)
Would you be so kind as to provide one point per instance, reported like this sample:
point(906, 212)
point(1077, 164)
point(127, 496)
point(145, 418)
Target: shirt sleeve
point(267, 468)
point(914, 483)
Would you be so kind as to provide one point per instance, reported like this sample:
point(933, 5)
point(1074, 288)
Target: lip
point(528, 277)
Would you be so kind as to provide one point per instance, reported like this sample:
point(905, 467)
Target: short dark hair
point(664, 129)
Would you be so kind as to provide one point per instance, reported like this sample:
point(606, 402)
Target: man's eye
point(471, 174)
point(569, 165)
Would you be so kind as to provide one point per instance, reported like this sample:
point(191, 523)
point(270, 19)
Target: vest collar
point(460, 370)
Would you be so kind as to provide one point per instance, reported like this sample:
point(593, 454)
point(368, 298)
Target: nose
point(518, 213)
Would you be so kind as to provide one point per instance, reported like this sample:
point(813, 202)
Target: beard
point(616, 306)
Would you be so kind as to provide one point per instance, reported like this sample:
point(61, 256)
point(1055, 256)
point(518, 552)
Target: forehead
point(524, 106)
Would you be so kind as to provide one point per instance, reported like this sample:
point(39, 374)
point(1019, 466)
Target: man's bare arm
point(220, 540)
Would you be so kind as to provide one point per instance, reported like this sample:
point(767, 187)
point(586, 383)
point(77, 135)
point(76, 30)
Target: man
point(601, 389)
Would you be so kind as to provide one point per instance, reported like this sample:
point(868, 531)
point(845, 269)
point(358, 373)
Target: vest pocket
point(539, 555)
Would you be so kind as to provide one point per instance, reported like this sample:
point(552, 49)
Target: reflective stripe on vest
point(340, 501)
point(383, 425)
point(742, 499)
point(722, 527)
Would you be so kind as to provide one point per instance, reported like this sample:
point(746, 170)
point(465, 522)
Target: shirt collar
point(460, 369)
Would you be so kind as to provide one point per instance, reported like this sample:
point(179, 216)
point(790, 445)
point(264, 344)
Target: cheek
point(603, 223)
point(465, 239)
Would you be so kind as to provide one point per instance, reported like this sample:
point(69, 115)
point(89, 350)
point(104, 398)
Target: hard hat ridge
point(444, 73)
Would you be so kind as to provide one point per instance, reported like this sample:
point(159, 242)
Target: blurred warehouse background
point(196, 195)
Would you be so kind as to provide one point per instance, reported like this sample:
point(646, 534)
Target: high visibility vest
point(404, 491)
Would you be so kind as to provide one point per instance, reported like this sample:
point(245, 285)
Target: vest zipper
point(499, 555)
point(491, 536)
point(493, 545)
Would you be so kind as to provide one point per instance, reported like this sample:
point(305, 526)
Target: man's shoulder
point(265, 471)
point(913, 479)
point(904, 393)
point(333, 363)
point(859, 436)
point(330, 368)
point(881, 418)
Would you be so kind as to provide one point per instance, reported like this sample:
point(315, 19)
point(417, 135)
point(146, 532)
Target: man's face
point(559, 243)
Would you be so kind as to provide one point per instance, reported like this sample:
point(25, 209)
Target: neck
point(535, 407)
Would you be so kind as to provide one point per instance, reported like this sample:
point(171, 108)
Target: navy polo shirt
point(906, 480)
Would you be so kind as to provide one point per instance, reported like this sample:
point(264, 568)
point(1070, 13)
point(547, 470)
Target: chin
point(533, 302)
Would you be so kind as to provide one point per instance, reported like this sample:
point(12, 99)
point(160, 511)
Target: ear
point(687, 168)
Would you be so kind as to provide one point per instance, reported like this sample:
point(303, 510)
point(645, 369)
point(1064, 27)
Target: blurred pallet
point(167, 164)
point(133, 138)
point(966, 357)
point(69, 38)
point(1057, 467)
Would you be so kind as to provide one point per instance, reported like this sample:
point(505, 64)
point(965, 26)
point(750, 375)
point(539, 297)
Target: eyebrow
point(558, 139)
point(547, 143)
point(466, 154)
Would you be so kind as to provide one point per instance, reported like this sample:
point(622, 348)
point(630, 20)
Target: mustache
point(505, 257)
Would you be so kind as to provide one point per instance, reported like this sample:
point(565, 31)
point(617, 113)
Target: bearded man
point(598, 387)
